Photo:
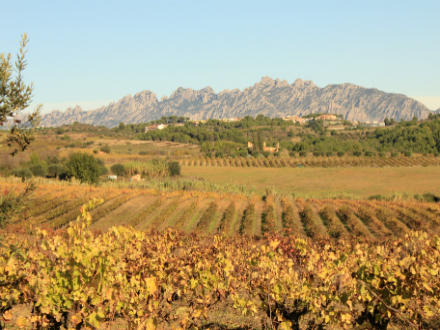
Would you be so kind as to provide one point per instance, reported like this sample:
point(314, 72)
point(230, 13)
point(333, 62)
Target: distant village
point(331, 121)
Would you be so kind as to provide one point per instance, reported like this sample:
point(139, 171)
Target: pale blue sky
point(93, 52)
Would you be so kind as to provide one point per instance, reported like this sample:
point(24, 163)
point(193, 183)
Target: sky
point(93, 52)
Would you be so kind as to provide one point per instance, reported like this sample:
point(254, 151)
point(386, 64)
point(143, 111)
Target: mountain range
point(273, 98)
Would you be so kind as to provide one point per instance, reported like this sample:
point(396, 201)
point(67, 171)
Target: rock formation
point(274, 98)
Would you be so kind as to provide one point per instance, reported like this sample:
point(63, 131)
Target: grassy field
point(355, 182)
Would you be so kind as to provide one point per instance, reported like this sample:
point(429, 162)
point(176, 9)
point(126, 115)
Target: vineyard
point(318, 161)
point(56, 205)
point(125, 278)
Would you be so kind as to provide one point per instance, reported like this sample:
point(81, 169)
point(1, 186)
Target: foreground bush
point(80, 279)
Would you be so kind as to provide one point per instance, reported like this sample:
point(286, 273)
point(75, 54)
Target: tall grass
point(155, 168)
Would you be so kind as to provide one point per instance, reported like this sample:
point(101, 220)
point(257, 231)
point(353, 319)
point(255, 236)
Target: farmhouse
point(229, 120)
point(328, 117)
point(271, 149)
point(250, 146)
point(295, 119)
point(155, 127)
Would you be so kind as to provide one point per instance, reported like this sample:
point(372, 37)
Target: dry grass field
point(353, 182)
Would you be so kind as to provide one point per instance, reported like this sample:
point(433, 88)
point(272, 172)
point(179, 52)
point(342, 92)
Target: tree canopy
point(16, 96)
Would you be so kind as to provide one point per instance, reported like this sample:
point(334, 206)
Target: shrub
point(174, 168)
point(105, 149)
point(118, 169)
point(341, 153)
point(429, 197)
point(12, 203)
point(54, 170)
point(377, 198)
point(84, 167)
point(23, 173)
point(102, 169)
point(407, 153)
point(37, 166)
point(38, 170)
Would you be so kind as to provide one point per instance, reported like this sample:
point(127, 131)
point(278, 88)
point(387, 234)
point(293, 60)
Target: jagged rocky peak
point(71, 111)
point(207, 90)
point(268, 96)
point(299, 83)
point(182, 92)
point(281, 83)
point(265, 82)
point(145, 96)
point(190, 95)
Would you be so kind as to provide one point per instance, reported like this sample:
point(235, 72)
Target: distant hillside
point(274, 98)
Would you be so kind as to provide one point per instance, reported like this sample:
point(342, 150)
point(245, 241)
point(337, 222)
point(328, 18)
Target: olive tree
point(16, 96)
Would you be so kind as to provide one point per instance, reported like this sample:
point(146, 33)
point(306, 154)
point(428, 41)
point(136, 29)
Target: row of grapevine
point(268, 216)
point(290, 218)
point(142, 213)
point(226, 225)
point(371, 220)
point(126, 278)
point(390, 220)
point(353, 223)
point(187, 215)
point(191, 211)
point(331, 161)
point(109, 206)
point(334, 225)
point(207, 218)
point(165, 213)
point(248, 219)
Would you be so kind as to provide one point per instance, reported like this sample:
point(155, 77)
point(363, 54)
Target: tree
point(389, 122)
point(84, 167)
point(15, 96)
point(174, 168)
point(118, 169)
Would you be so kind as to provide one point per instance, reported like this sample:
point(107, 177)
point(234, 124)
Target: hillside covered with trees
point(219, 138)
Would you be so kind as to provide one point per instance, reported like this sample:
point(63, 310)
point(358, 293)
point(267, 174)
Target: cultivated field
point(247, 243)
point(55, 205)
point(315, 161)
point(352, 182)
